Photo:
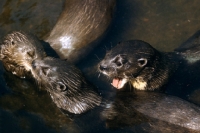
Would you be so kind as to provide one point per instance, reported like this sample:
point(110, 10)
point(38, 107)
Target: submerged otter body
point(151, 112)
point(80, 23)
point(66, 85)
point(17, 52)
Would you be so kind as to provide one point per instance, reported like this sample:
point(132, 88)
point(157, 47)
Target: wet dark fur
point(17, 52)
point(66, 85)
point(137, 61)
point(151, 112)
point(175, 73)
point(23, 54)
point(79, 26)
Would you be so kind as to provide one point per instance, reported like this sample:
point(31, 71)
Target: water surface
point(25, 108)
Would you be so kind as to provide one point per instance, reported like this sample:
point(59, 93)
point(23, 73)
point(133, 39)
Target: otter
point(79, 26)
point(23, 55)
point(145, 68)
point(66, 85)
point(17, 52)
point(138, 62)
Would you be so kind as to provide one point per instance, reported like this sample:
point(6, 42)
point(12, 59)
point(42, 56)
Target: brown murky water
point(24, 108)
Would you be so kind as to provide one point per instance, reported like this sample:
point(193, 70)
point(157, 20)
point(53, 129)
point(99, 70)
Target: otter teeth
point(119, 83)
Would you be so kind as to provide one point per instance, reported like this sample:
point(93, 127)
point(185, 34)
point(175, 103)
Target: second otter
point(66, 85)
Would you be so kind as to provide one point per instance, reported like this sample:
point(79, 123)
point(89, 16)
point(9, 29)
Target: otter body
point(66, 85)
point(151, 112)
point(80, 24)
point(17, 52)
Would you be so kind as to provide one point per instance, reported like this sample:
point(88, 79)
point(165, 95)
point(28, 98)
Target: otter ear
point(31, 53)
point(45, 70)
point(142, 62)
point(60, 86)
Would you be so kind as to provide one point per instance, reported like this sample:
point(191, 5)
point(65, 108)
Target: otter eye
point(31, 53)
point(142, 62)
point(120, 60)
point(60, 86)
point(45, 70)
point(126, 66)
point(117, 61)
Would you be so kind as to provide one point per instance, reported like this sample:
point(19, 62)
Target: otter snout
point(112, 66)
point(108, 68)
point(102, 67)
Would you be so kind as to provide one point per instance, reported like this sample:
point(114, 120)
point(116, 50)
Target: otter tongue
point(117, 83)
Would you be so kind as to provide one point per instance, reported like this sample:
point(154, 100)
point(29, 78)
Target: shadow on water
point(25, 108)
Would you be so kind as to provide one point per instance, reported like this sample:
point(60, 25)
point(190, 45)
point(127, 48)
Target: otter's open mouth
point(119, 82)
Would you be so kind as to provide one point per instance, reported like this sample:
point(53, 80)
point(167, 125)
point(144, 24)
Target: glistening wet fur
point(137, 62)
point(144, 111)
point(146, 68)
point(18, 50)
point(66, 85)
point(23, 55)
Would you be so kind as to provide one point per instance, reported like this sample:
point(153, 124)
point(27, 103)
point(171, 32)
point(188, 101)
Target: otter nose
point(102, 67)
point(33, 64)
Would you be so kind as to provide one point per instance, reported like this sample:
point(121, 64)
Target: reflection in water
point(24, 108)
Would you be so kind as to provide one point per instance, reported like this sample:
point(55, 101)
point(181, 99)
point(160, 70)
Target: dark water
point(25, 108)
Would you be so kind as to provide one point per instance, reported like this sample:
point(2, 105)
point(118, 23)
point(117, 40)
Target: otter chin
point(137, 62)
point(66, 85)
point(17, 52)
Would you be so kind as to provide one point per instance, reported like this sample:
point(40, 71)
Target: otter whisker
point(97, 57)
point(99, 75)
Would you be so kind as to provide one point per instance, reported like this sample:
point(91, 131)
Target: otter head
point(17, 52)
point(66, 85)
point(129, 61)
